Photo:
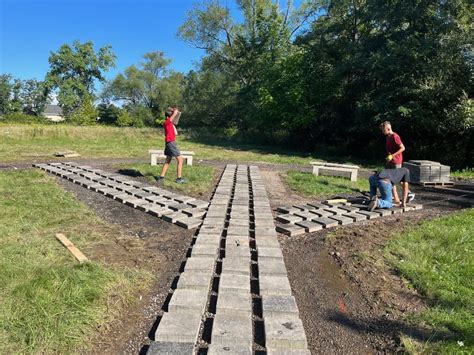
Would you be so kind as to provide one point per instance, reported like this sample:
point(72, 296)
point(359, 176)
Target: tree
point(86, 114)
point(151, 84)
point(74, 70)
point(33, 97)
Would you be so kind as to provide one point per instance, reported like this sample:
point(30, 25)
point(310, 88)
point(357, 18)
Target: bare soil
point(350, 300)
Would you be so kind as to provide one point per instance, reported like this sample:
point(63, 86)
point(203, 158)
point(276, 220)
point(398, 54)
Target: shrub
point(124, 119)
point(20, 117)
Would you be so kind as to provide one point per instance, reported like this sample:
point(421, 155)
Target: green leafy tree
point(151, 84)
point(124, 119)
point(73, 71)
point(33, 97)
point(108, 113)
point(86, 114)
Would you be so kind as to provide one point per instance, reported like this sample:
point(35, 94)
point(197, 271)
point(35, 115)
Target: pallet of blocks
point(428, 173)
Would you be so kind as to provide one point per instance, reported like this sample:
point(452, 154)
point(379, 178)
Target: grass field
point(322, 186)
point(50, 303)
point(200, 178)
point(438, 260)
point(467, 174)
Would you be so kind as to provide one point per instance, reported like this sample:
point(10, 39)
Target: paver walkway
point(184, 211)
point(234, 286)
point(299, 219)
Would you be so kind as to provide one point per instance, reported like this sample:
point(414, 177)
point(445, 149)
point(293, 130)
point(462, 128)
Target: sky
point(31, 29)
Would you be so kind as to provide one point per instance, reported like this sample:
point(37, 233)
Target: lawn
point(200, 178)
point(50, 303)
point(22, 142)
point(464, 174)
point(438, 260)
point(323, 186)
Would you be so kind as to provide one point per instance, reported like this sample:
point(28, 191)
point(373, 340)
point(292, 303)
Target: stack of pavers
point(235, 264)
point(184, 211)
point(426, 172)
point(314, 216)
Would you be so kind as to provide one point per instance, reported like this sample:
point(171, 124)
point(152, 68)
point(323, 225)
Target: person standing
point(393, 145)
point(172, 115)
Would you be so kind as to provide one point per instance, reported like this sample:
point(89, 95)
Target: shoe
point(159, 178)
point(181, 181)
point(373, 205)
point(411, 196)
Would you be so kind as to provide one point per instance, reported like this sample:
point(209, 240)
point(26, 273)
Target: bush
point(85, 115)
point(19, 117)
point(124, 119)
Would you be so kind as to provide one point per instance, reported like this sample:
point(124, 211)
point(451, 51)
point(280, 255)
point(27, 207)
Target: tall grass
point(49, 303)
point(438, 259)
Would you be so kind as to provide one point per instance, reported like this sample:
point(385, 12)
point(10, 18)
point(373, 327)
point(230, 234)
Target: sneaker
point(180, 181)
point(373, 205)
point(159, 178)
point(411, 196)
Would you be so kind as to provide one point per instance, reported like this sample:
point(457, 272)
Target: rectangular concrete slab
point(236, 265)
point(200, 264)
point(341, 219)
point(279, 306)
point(309, 226)
point(356, 217)
point(267, 241)
point(236, 303)
point(271, 266)
point(170, 348)
point(284, 351)
point(285, 332)
point(290, 229)
point(189, 223)
point(219, 349)
point(188, 301)
point(268, 252)
point(370, 215)
point(174, 217)
point(195, 280)
point(231, 330)
point(204, 250)
point(178, 327)
point(326, 222)
point(274, 285)
point(288, 218)
point(234, 283)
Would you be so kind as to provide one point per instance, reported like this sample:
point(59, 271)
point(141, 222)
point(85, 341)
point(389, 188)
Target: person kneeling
point(384, 181)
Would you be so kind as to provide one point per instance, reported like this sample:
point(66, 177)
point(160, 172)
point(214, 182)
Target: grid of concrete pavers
point(184, 211)
point(234, 285)
point(311, 217)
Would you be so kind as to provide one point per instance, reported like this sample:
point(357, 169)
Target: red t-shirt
point(170, 135)
point(393, 144)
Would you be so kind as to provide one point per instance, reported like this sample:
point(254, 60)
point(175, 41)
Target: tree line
point(324, 73)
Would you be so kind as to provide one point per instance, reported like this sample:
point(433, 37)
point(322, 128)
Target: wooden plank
point(71, 247)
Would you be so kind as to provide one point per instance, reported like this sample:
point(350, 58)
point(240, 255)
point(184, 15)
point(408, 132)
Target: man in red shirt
point(395, 149)
point(171, 148)
point(394, 146)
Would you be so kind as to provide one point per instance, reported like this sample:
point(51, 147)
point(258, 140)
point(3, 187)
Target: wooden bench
point(330, 169)
point(156, 153)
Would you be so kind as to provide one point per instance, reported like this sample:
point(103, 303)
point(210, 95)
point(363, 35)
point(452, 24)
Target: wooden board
point(71, 247)
point(434, 183)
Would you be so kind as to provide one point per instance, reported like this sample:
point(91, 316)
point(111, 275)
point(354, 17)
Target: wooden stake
point(68, 244)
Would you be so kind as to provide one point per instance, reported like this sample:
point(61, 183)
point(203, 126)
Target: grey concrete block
point(285, 351)
point(219, 349)
point(267, 241)
point(170, 348)
point(285, 332)
point(370, 215)
point(195, 280)
point(232, 241)
point(265, 231)
point(322, 213)
point(188, 301)
point(194, 212)
point(198, 204)
point(180, 328)
point(271, 266)
point(341, 219)
point(290, 230)
point(147, 206)
point(200, 264)
point(211, 230)
point(239, 231)
point(304, 214)
point(237, 251)
point(274, 285)
point(236, 265)
point(356, 217)
point(325, 222)
point(159, 211)
point(234, 283)
point(135, 202)
point(178, 206)
point(174, 217)
point(184, 199)
point(309, 226)
point(189, 223)
point(203, 238)
point(268, 252)
point(206, 250)
point(232, 330)
point(279, 306)
point(236, 303)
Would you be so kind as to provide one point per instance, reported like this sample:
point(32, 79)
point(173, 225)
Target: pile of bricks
point(299, 219)
point(184, 211)
point(235, 264)
point(426, 172)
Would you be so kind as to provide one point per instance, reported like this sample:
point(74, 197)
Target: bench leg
point(354, 176)
point(189, 160)
point(316, 170)
point(153, 159)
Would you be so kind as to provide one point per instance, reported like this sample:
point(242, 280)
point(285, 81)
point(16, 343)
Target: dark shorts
point(172, 150)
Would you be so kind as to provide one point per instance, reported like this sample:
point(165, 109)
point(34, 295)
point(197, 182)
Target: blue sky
point(31, 29)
